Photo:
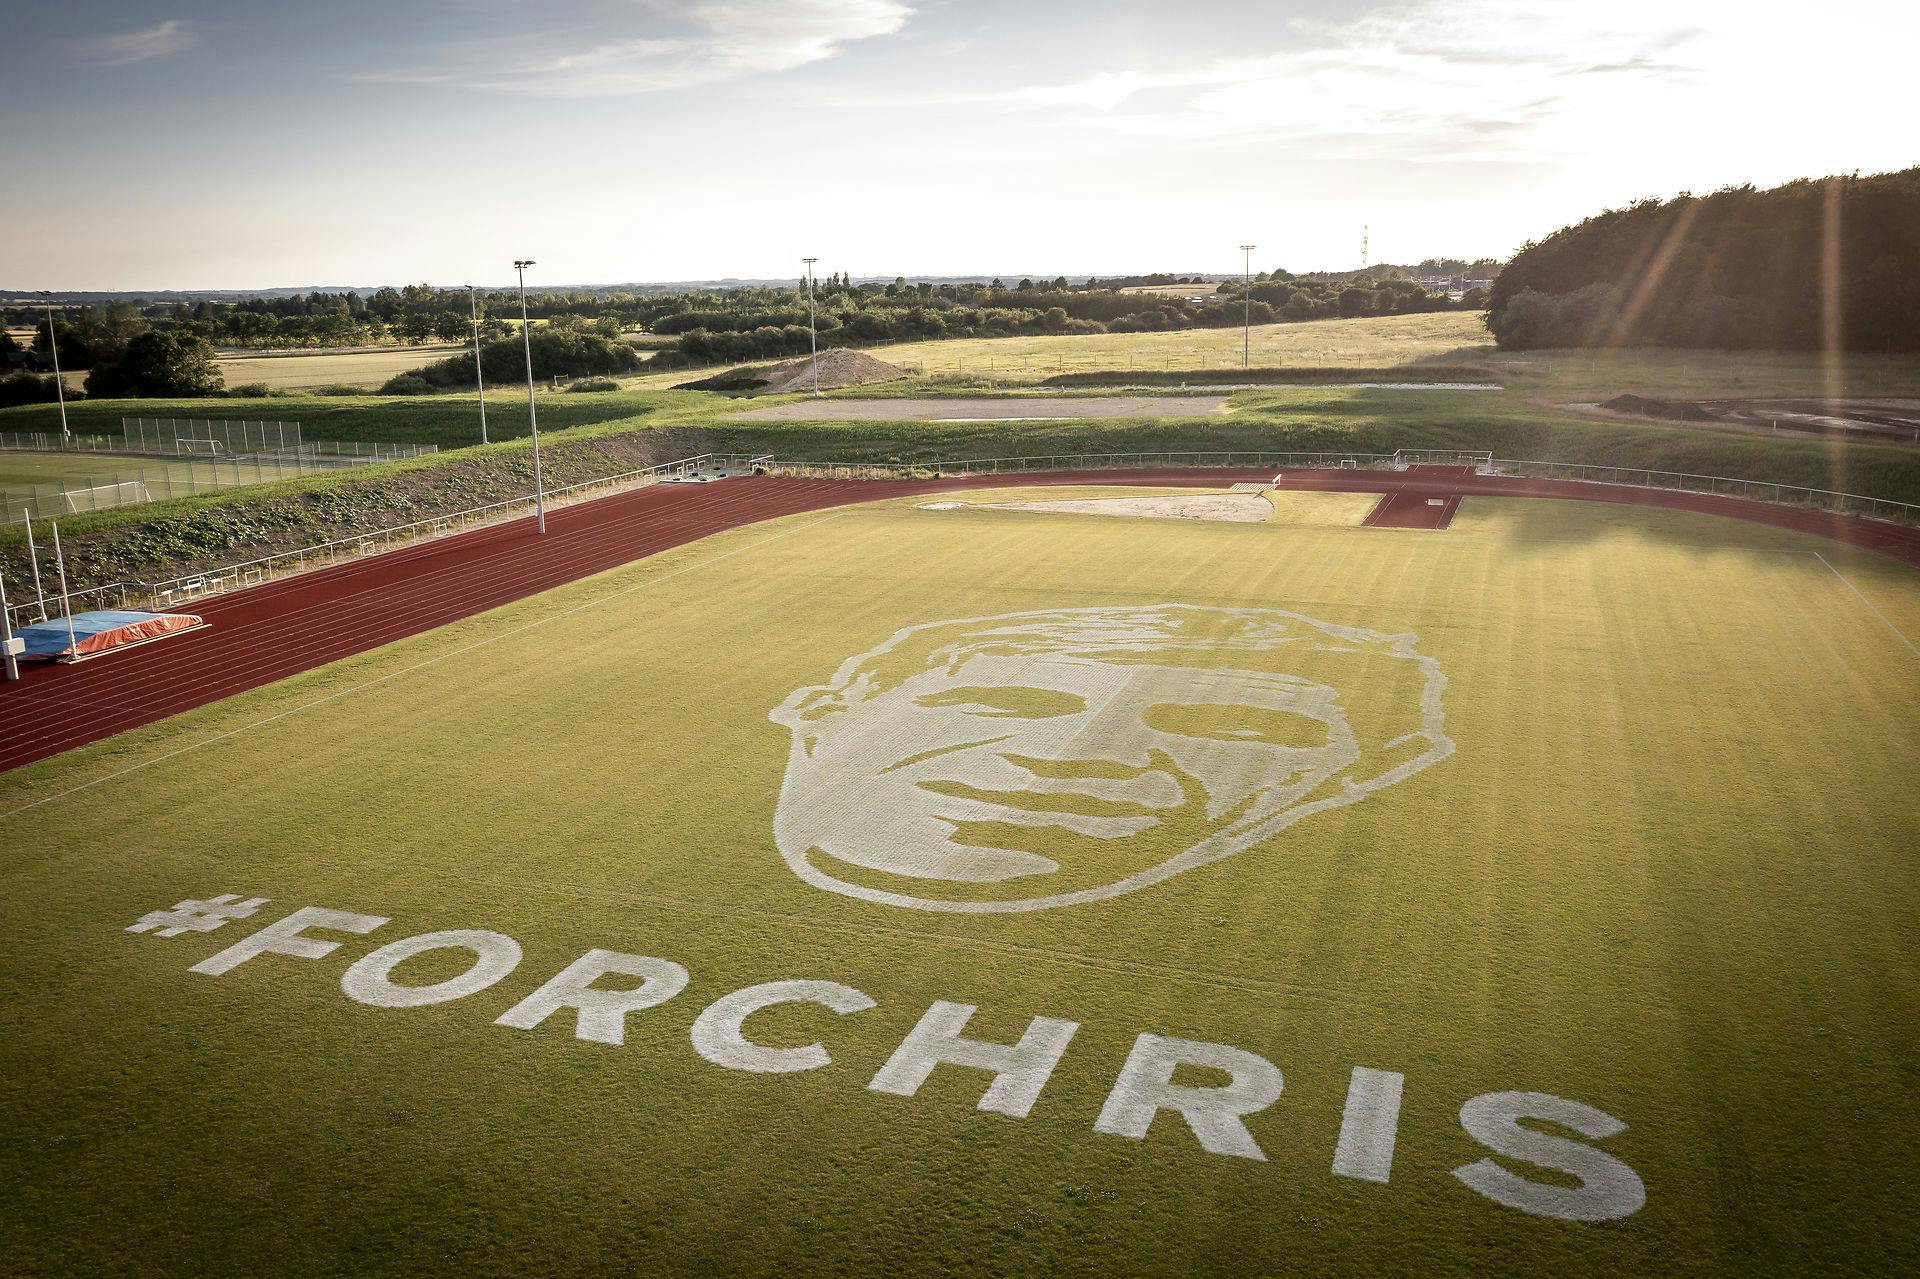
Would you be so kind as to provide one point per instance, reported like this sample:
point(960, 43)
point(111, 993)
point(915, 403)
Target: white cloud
point(684, 45)
point(1505, 80)
point(127, 47)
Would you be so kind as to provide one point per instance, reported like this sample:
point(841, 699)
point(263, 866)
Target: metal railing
point(1874, 508)
point(1212, 458)
point(1884, 509)
point(172, 591)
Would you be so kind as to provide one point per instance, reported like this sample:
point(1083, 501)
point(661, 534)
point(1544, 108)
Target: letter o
point(369, 981)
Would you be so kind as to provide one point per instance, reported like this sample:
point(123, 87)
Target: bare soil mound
point(1671, 410)
point(838, 368)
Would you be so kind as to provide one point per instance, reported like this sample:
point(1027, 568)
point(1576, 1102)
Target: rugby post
point(813, 334)
point(1246, 305)
point(479, 379)
point(59, 389)
point(533, 419)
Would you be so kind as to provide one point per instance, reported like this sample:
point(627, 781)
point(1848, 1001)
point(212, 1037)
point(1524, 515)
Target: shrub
point(595, 384)
point(407, 384)
point(31, 388)
point(338, 388)
point(251, 391)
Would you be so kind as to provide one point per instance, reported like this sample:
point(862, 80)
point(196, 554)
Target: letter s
point(1608, 1188)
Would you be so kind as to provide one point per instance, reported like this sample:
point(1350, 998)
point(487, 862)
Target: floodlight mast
point(813, 334)
point(533, 420)
point(1246, 305)
point(59, 387)
point(479, 380)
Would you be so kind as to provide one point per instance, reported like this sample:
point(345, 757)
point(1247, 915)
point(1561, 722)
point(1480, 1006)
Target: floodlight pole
point(1246, 305)
point(813, 334)
point(59, 387)
point(66, 604)
point(479, 381)
point(533, 419)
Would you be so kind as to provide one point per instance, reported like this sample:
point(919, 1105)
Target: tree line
point(765, 323)
point(1811, 264)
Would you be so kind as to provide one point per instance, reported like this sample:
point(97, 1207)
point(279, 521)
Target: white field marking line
point(1869, 603)
point(417, 666)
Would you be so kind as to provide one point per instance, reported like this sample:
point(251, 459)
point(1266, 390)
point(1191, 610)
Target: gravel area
point(986, 409)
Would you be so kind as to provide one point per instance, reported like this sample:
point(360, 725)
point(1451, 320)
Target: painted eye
point(1223, 722)
point(1005, 701)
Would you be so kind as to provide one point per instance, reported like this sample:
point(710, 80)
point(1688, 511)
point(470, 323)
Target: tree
point(6, 341)
point(162, 362)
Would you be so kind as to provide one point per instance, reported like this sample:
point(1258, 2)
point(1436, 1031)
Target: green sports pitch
point(892, 890)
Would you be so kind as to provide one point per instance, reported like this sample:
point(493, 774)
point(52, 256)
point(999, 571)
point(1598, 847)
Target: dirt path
point(987, 409)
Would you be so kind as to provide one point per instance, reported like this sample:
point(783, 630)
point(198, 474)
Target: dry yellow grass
point(328, 368)
point(1365, 343)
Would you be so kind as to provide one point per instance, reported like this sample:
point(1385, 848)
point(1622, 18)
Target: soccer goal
point(199, 447)
point(101, 496)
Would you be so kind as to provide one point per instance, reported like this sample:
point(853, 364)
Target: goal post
point(99, 497)
point(192, 447)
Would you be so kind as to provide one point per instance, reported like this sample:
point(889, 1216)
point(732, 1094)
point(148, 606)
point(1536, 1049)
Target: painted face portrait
point(1044, 759)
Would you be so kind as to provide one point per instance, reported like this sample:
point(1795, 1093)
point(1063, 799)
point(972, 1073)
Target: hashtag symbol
point(192, 916)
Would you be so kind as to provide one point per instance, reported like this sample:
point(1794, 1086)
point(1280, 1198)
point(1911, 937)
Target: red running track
point(1420, 510)
point(269, 632)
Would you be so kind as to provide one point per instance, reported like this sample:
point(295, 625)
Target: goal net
point(196, 447)
point(99, 497)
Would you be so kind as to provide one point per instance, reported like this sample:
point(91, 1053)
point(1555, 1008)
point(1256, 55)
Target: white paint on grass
point(1215, 1112)
point(602, 1014)
point(1370, 1125)
point(719, 1033)
point(1020, 1070)
point(1608, 1188)
point(370, 980)
point(1086, 753)
point(1869, 603)
point(287, 937)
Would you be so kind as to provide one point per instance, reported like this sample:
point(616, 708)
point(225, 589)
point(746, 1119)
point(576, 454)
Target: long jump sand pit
point(1245, 505)
point(1050, 408)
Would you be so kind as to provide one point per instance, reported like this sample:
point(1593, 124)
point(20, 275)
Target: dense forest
point(1831, 262)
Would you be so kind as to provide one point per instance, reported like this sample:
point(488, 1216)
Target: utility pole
point(1246, 305)
point(813, 334)
point(533, 416)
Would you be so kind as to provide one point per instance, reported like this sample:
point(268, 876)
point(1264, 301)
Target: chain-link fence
point(131, 480)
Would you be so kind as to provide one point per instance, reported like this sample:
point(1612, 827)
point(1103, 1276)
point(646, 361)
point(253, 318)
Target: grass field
point(1665, 873)
point(450, 421)
point(35, 481)
point(1446, 338)
point(329, 368)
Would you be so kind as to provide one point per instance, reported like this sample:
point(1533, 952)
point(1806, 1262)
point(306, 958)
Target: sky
point(229, 144)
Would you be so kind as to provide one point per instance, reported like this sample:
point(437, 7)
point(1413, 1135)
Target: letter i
point(1370, 1125)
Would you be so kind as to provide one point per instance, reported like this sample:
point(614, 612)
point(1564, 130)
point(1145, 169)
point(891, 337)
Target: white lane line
point(1869, 603)
point(431, 661)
